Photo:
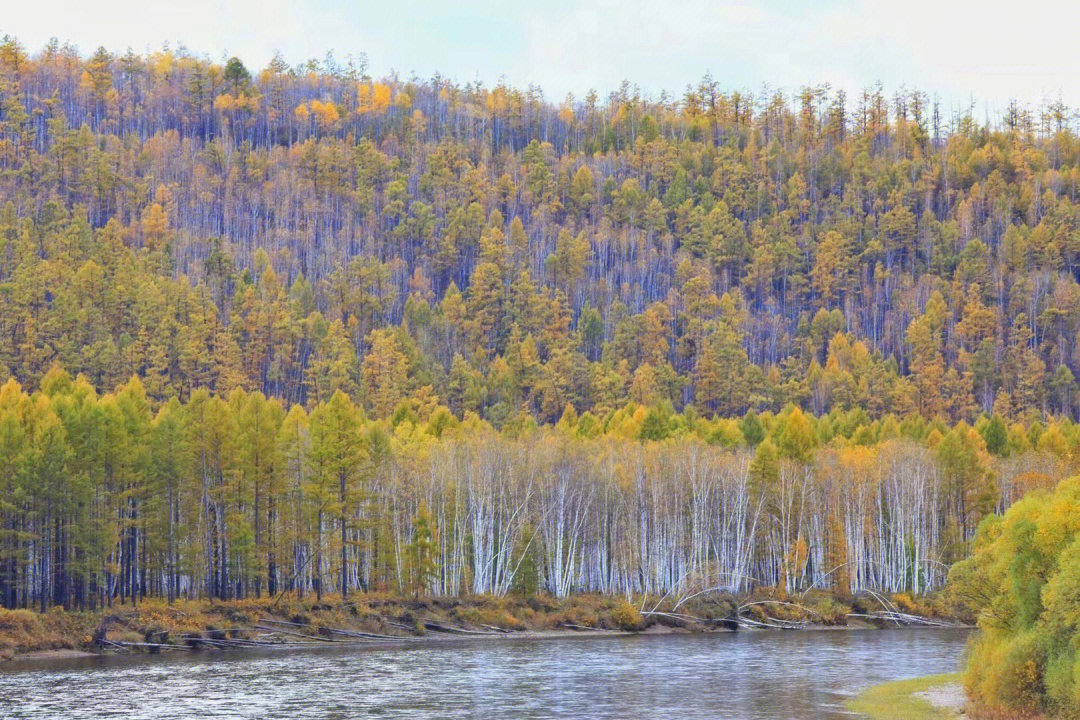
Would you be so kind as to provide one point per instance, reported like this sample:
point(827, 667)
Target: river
point(735, 676)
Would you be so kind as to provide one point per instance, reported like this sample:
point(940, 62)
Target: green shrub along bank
point(1023, 580)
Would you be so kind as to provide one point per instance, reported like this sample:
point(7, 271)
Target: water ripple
point(743, 676)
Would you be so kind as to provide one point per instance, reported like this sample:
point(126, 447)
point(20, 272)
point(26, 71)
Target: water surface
point(735, 676)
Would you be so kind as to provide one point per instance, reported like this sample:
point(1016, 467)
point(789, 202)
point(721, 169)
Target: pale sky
point(961, 51)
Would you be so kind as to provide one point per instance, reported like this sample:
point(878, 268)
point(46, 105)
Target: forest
point(107, 499)
point(302, 230)
point(299, 329)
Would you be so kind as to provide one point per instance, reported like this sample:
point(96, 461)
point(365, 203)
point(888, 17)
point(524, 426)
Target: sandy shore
point(949, 697)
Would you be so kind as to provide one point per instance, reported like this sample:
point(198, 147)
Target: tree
point(797, 440)
point(334, 367)
point(831, 267)
point(996, 436)
point(421, 551)
point(384, 373)
point(970, 487)
point(236, 74)
point(336, 485)
point(258, 423)
point(293, 447)
point(170, 454)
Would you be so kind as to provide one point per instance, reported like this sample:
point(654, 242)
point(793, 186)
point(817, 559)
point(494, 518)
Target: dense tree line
point(114, 498)
point(302, 230)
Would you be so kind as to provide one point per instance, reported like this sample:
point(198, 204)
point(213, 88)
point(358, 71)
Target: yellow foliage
point(627, 617)
point(326, 114)
point(154, 225)
point(373, 98)
point(224, 102)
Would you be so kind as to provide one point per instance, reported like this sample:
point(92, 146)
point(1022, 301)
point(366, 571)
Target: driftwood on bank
point(357, 634)
point(295, 634)
point(683, 617)
point(901, 618)
point(761, 619)
point(496, 629)
point(152, 646)
point(439, 627)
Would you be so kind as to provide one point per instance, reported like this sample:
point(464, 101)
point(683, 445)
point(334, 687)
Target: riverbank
point(289, 621)
point(936, 697)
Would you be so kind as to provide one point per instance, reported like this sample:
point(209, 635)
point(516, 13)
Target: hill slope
point(302, 230)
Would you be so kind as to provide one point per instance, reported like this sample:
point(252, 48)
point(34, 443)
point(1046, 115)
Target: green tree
point(337, 483)
point(421, 551)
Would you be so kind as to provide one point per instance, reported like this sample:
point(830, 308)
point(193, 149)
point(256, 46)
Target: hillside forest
point(301, 329)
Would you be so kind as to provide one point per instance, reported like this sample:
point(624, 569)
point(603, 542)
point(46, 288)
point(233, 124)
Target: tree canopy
point(302, 230)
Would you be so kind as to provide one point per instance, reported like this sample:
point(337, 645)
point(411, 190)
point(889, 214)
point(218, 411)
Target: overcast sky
point(986, 51)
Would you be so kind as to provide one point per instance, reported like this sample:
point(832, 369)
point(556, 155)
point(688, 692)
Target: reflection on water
point(735, 676)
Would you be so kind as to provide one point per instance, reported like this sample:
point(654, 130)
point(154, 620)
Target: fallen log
point(497, 629)
point(450, 629)
point(677, 616)
point(290, 632)
point(283, 622)
point(769, 622)
point(156, 646)
point(903, 618)
point(365, 635)
point(339, 631)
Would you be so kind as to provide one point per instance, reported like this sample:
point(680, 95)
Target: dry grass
point(26, 630)
point(155, 621)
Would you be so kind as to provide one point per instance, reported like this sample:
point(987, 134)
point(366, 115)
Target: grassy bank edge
point(897, 700)
point(208, 624)
point(366, 617)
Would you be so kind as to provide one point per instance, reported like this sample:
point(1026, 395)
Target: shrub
point(1022, 672)
point(626, 617)
point(1023, 581)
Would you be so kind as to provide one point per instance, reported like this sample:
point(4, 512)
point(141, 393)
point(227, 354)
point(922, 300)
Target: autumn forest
point(298, 329)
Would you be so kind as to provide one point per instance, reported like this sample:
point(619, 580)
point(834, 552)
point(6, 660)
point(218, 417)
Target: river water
point(734, 676)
